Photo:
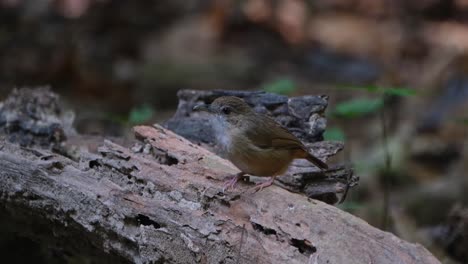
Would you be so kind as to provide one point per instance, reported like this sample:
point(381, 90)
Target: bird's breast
point(223, 133)
point(255, 160)
point(246, 155)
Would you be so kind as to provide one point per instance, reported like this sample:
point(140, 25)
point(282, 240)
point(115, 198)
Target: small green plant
point(140, 114)
point(402, 92)
point(334, 134)
point(364, 106)
point(281, 86)
point(350, 206)
point(358, 107)
point(462, 121)
point(397, 91)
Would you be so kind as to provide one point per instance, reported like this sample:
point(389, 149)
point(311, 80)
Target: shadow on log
point(161, 202)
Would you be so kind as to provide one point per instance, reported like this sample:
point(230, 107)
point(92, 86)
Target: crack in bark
point(303, 245)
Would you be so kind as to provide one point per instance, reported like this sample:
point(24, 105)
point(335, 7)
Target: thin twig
point(348, 185)
point(240, 244)
point(386, 173)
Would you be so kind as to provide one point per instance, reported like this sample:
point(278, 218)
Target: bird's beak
point(202, 107)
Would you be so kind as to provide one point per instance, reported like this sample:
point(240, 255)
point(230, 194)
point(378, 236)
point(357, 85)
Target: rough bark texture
point(164, 204)
point(303, 116)
point(161, 202)
point(34, 117)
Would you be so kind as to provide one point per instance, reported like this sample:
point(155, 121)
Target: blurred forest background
point(396, 72)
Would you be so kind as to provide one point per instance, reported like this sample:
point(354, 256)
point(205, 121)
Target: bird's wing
point(267, 133)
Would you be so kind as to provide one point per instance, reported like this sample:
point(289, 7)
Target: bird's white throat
point(220, 128)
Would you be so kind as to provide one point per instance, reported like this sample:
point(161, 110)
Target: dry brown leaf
point(291, 18)
point(355, 35)
point(258, 11)
point(450, 36)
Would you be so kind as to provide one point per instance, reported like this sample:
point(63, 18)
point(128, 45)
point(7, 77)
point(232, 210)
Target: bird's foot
point(231, 183)
point(261, 186)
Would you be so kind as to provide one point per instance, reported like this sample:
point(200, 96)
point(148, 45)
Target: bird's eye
point(226, 110)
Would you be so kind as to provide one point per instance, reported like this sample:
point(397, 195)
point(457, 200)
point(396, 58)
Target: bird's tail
point(316, 161)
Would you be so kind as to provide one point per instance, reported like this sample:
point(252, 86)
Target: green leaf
point(350, 206)
point(140, 114)
point(370, 88)
point(334, 134)
point(358, 107)
point(399, 91)
point(462, 121)
point(281, 86)
point(395, 91)
point(116, 118)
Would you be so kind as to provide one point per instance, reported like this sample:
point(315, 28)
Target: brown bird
point(253, 142)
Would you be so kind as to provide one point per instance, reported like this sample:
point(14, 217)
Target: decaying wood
point(160, 201)
point(303, 116)
point(34, 117)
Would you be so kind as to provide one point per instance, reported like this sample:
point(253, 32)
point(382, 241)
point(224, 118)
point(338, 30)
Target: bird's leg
point(261, 186)
point(231, 183)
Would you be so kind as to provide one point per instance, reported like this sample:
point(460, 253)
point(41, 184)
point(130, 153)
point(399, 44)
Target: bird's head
point(229, 108)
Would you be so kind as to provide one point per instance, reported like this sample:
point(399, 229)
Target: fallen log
point(161, 201)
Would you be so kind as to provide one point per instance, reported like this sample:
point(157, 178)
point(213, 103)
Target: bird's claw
point(261, 186)
point(231, 183)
